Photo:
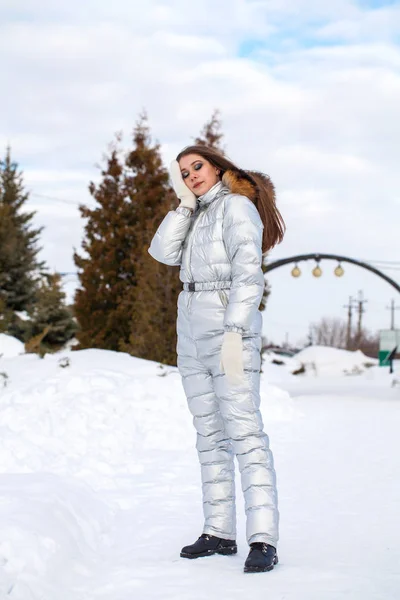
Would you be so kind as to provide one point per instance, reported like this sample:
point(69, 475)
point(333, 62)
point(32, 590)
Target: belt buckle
point(192, 286)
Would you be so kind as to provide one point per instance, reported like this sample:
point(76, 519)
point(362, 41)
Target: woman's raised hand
point(187, 198)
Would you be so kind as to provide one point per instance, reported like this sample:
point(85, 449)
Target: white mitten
point(232, 357)
point(187, 198)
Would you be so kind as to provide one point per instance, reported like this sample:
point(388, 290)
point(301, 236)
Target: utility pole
point(286, 342)
point(360, 307)
point(392, 308)
point(349, 306)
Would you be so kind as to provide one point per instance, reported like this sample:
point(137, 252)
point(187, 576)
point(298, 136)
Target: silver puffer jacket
point(218, 248)
point(221, 244)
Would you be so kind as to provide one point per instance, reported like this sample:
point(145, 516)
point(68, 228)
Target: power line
point(64, 201)
point(388, 262)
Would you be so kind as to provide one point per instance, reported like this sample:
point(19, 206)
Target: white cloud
point(382, 23)
point(322, 120)
point(46, 177)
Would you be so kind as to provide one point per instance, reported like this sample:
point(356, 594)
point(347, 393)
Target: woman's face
point(198, 174)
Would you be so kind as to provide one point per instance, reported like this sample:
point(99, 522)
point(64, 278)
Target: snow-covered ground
point(10, 346)
point(320, 360)
point(100, 487)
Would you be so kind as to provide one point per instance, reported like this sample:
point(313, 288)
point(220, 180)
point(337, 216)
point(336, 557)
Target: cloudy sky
point(309, 92)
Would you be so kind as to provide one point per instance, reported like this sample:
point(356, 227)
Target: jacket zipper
point(190, 254)
point(191, 245)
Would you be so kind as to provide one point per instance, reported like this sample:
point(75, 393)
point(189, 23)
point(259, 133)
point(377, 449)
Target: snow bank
point(88, 413)
point(289, 362)
point(322, 360)
point(93, 413)
point(10, 346)
point(317, 360)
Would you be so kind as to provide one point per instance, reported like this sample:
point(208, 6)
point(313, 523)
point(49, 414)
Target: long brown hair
point(257, 186)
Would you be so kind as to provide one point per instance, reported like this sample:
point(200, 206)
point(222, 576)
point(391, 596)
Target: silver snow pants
point(227, 420)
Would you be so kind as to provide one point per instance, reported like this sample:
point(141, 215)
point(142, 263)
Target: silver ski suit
point(218, 248)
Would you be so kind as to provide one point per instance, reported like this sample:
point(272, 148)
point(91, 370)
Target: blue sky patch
point(377, 3)
point(291, 40)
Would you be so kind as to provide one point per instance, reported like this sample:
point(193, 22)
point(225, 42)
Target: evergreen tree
point(133, 197)
point(211, 134)
point(6, 317)
point(154, 311)
point(152, 302)
point(51, 312)
point(104, 269)
point(19, 266)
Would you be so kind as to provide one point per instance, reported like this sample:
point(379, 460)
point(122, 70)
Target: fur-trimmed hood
point(246, 183)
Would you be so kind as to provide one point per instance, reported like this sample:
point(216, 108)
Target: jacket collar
point(212, 193)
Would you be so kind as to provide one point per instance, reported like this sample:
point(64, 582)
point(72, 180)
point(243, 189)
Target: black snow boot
point(207, 545)
point(262, 557)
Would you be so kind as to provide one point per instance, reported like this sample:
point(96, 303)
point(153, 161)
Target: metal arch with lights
point(318, 257)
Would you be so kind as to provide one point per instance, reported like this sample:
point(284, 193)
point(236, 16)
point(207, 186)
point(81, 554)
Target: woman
point(226, 220)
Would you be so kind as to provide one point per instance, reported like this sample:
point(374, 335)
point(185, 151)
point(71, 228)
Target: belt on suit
point(200, 286)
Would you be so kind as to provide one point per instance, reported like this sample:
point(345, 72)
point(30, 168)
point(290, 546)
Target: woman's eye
point(198, 166)
point(185, 174)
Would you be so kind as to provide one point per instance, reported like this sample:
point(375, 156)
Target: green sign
point(388, 340)
point(383, 356)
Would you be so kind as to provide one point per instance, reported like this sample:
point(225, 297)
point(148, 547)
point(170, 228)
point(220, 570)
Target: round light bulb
point(339, 271)
point(296, 271)
point(317, 272)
